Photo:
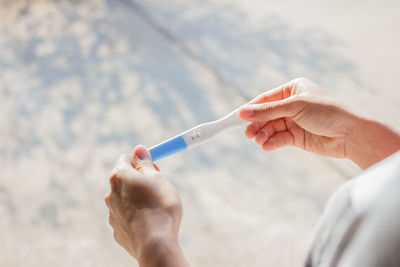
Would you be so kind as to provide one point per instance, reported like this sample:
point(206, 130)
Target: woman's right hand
point(302, 114)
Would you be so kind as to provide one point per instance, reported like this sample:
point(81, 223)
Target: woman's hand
point(302, 114)
point(145, 211)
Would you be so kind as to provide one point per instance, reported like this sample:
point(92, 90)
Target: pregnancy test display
point(196, 136)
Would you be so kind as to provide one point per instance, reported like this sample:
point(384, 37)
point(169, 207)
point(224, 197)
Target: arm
point(145, 211)
point(302, 114)
point(371, 142)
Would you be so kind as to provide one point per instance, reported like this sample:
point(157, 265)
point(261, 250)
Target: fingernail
point(142, 153)
point(247, 112)
point(263, 135)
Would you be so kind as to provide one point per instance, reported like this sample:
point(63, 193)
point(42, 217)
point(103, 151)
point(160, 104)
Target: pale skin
point(145, 209)
point(302, 114)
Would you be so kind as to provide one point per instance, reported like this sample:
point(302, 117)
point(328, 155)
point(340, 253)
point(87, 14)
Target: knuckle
point(302, 82)
point(121, 170)
point(116, 183)
point(173, 207)
point(265, 106)
point(115, 177)
point(300, 79)
point(111, 220)
point(123, 157)
point(107, 198)
point(111, 199)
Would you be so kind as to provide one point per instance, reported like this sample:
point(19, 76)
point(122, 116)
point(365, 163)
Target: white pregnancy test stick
point(196, 136)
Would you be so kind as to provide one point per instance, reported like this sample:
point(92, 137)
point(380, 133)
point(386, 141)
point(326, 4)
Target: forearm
point(162, 253)
point(370, 141)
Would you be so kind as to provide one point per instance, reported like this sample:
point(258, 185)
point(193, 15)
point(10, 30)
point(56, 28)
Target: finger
point(261, 137)
point(121, 169)
point(280, 139)
point(275, 126)
point(269, 111)
point(107, 199)
point(253, 128)
point(110, 219)
point(272, 95)
point(278, 93)
point(124, 163)
point(111, 200)
point(270, 129)
point(142, 160)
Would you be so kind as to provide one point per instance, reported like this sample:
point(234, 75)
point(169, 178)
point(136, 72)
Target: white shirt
point(360, 226)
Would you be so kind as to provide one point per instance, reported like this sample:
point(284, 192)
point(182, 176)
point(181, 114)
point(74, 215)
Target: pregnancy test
point(196, 136)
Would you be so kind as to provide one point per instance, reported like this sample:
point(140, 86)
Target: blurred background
point(83, 81)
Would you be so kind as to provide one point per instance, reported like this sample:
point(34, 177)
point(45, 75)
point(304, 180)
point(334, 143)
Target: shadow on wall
point(87, 61)
point(241, 51)
point(81, 63)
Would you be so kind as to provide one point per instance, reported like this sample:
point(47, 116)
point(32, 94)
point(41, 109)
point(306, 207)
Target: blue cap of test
point(167, 148)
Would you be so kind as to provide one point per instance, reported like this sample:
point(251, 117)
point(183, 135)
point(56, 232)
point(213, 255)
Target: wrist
point(161, 250)
point(370, 141)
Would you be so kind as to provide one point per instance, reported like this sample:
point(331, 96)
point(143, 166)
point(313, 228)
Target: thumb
point(142, 160)
point(269, 111)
